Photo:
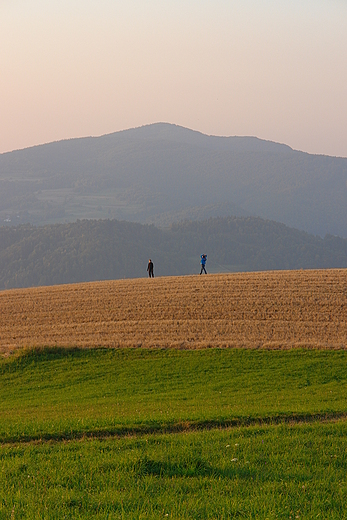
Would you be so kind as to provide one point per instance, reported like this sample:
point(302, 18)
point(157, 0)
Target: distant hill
point(161, 173)
point(103, 249)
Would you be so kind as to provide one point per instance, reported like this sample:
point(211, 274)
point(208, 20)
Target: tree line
point(89, 250)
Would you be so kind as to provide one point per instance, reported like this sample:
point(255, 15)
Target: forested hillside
point(161, 172)
point(103, 249)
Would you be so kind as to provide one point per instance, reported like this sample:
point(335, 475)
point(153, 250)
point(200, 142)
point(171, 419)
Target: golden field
point(277, 309)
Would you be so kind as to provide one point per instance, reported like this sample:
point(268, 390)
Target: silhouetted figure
point(203, 263)
point(150, 268)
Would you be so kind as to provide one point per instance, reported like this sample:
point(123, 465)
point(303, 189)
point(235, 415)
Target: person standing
point(150, 268)
point(203, 263)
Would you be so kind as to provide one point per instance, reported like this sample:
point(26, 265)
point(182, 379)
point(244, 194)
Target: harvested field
point(280, 309)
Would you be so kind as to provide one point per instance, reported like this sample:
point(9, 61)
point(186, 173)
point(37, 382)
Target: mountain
point(160, 173)
point(90, 250)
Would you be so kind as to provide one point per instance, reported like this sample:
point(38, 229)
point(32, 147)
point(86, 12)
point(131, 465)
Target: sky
point(275, 69)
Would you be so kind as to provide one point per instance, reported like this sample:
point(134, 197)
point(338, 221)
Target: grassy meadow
point(61, 394)
point(296, 471)
point(134, 433)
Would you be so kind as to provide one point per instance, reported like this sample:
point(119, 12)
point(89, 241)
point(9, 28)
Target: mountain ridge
point(160, 131)
point(142, 173)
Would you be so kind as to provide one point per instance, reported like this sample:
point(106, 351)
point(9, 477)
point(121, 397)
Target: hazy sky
point(276, 69)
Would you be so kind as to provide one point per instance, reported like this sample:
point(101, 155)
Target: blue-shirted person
point(203, 263)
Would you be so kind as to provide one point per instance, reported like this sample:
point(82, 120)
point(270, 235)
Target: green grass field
point(173, 434)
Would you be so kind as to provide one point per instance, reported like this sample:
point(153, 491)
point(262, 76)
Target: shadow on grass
point(195, 468)
point(24, 357)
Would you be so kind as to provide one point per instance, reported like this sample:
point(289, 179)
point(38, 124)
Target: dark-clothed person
point(150, 268)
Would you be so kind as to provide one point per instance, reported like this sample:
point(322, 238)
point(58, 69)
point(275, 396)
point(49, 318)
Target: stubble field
point(279, 309)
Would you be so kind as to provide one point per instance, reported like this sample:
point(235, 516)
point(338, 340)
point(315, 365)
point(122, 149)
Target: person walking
point(203, 263)
point(150, 268)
